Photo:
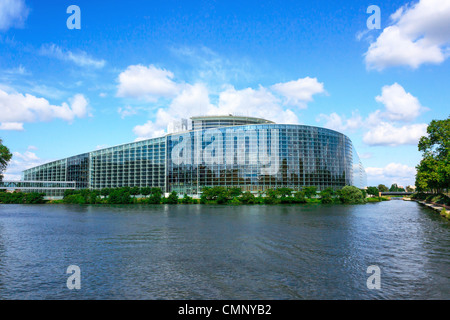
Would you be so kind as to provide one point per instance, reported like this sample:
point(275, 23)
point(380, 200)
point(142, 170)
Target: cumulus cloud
point(12, 126)
point(419, 34)
point(13, 13)
point(400, 105)
point(186, 100)
point(253, 102)
point(21, 161)
point(300, 91)
point(390, 135)
point(150, 83)
point(80, 58)
point(195, 100)
point(17, 108)
point(391, 173)
point(341, 123)
point(384, 127)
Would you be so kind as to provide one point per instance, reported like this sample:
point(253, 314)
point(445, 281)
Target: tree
point(433, 171)
point(383, 188)
point(393, 188)
point(326, 195)
point(172, 198)
point(156, 196)
point(135, 191)
point(310, 191)
point(373, 191)
point(5, 157)
point(248, 198)
point(145, 191)
point(351, 195)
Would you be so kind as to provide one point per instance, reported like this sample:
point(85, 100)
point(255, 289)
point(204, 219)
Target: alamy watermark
point(74, 20)
point(243, 147)
point(374, 21)
point(74, 280)
point(374, 280)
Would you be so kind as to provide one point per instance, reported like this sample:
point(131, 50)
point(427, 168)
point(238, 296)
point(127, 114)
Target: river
point(224, 252)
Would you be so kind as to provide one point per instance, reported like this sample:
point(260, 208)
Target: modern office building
point(233, 151)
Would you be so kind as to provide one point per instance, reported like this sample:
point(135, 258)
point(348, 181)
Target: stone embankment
point(442, 209)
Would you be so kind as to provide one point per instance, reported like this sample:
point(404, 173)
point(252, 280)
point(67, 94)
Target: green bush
point(326, 195)
point(172, 198)
point(186, 199)
point(351, 195)
point(74, 199)
point(248, 198)
point(299, 197)
point(120, 196)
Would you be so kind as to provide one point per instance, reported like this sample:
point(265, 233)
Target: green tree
point(373, 191)
point(5, 157)
point(393, 188)
point(248, 198)
point(284, 192)
point(310, 191)
point(326, 195)
point(383, 188)
point(433, 171)
point(234, 192)
point(172, 198)
point(145, 191)
point(135, 191)
point(155, 196)
point(105, 192)
point(299, 197)
point(351, 195)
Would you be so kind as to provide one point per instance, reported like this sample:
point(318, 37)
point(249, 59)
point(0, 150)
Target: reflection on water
point(224, 252)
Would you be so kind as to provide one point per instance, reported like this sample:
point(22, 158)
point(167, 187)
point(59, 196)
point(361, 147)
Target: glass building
point(233, 151)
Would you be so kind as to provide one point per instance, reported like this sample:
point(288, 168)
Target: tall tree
point(433, 171)
point(5, 157)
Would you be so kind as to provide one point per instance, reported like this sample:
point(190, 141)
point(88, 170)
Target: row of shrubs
point(124, 195)
point(22, 197)
point(438, 198)
point(215, 195)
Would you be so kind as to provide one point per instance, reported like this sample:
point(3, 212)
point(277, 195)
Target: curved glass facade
point(258, 157)
point(254, 157)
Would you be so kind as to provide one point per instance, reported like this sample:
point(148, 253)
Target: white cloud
point(20, 162)
point(389, 135)
point(148, 130)
point(149, 83)
point(192, 100)
point(126, 111)
point(195, 100)
point(391, 173)
point(13, 13)
point(186, 100)
point(259, 103)
point(12, 126)
point(80, 58)
point(419, 34)
point(400, 105)
point(19, 108)
point(384, 127)
point(300, 91)
point(341, 123)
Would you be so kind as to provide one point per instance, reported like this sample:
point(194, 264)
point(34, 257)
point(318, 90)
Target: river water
point(224, 252)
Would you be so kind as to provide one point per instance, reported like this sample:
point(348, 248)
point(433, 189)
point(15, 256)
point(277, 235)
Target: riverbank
point(210, 195)
point(437, 202)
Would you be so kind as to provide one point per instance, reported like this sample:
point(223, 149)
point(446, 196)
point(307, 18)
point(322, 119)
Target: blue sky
point(135, 66)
